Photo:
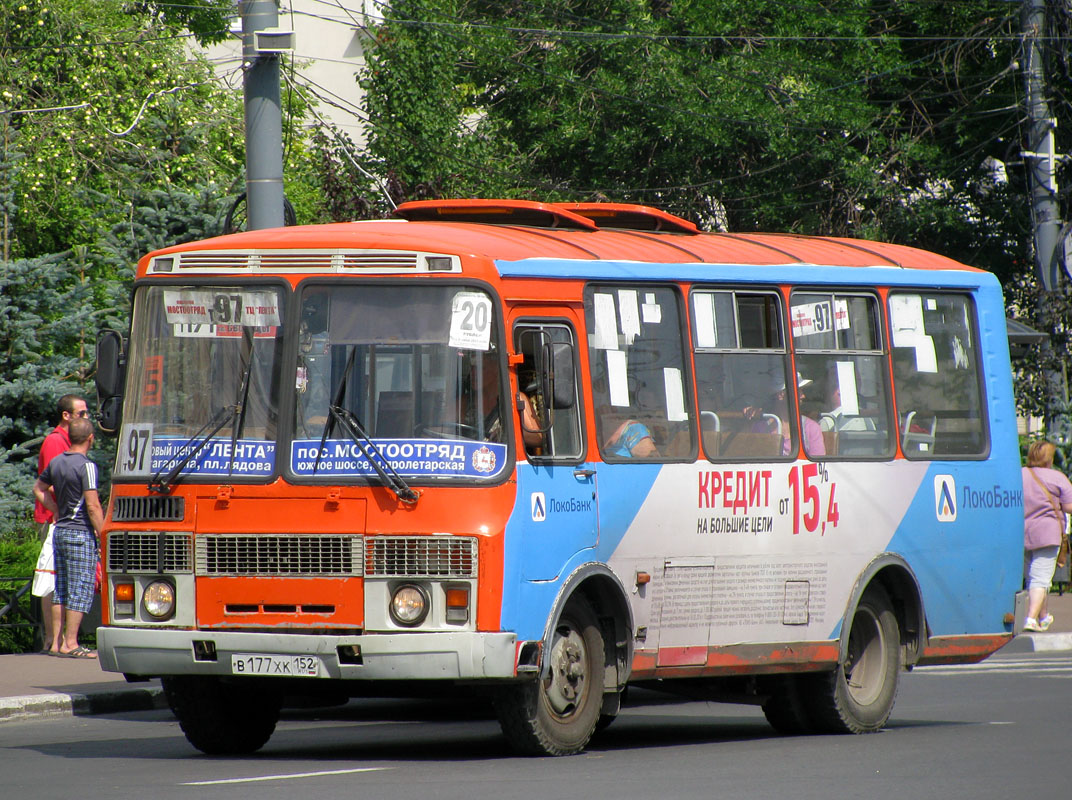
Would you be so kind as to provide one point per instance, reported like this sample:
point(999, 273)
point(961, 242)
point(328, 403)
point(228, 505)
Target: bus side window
point(640, 385)
point(839, 350)
point(548, 403)
point(936, 375)
point(741, 369)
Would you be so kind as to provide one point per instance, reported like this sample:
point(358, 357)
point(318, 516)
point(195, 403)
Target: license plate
point(277, 666)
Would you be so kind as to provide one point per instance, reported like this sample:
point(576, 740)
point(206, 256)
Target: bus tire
point(785, 709)
point(222, 719)
point(858, 696)
point(557, 714)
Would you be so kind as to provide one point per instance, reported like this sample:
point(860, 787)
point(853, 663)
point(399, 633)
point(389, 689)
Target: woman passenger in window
point(810, 430)
point(627, 439)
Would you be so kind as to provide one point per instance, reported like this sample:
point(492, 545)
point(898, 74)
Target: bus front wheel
point(858, 696)
point(557, 714)
point(222, 719)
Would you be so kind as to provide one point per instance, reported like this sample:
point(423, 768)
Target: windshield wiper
point(243, 397)
point(336, 413)
point(219, 419)
point(337, 395)
point(395, 482)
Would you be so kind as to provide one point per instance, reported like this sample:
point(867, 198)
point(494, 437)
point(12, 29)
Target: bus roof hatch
point(495, 212)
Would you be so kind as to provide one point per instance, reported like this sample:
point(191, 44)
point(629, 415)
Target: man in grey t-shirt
point(79, 519)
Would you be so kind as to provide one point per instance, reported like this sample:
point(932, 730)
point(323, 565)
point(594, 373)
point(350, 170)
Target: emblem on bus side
point(945, 498)
point(539, 507)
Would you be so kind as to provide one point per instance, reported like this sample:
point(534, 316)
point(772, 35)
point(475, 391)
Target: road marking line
point(284, 777)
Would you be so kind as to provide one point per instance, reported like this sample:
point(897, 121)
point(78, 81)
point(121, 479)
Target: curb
point(1039, 643)
point(80, 705)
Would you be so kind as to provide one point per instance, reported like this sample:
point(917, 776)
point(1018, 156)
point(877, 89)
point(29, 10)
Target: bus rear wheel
point(557, 714)
point(222, 719)
point(858, 696)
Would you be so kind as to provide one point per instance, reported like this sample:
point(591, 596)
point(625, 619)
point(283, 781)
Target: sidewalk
point(1057, 638)
point(33, 685)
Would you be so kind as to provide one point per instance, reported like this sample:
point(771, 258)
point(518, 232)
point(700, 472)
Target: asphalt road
point(996, 730)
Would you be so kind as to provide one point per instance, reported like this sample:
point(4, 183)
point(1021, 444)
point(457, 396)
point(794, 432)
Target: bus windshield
point(418, 369)
point(202, 396)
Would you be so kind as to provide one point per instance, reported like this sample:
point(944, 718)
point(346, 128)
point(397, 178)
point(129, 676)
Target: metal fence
point(17, 604)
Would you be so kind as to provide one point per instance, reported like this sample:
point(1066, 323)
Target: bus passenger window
point(639, 381)
point(936, 375)
point(741, 369)
point(838, 347)
point(550, 425)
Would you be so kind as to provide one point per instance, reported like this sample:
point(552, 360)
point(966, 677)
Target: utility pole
point(1041, 159)
point(1039, 155)
point(264, 117)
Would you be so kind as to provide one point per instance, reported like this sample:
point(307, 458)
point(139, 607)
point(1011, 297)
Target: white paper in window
point(618, 378)
point(629, 309)
point(926, 360)
point(470, 321)
point(188, 307)
point(652, 311)
point(703, 312)
point(846, 379)
point(802, 320)
point(675, 396)
point(606, 333)
point(841, 315)
point(261, 309)
point(906, 319)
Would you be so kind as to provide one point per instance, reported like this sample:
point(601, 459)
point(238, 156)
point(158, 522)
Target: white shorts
point(44, 581)
point(1039, 565)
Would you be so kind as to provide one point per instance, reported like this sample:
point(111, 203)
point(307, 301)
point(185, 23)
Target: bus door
point(553, 484)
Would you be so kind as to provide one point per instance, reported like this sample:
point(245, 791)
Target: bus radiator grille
point(278, 555)
point(421, 557)
point(148, 551)
point(149, 509)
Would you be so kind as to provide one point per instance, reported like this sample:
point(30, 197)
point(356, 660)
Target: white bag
point(44, 581)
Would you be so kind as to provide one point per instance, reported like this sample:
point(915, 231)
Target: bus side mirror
point(110, 375)
point(563, 389)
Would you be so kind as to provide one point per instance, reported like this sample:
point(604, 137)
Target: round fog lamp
point(409, 605)
point(158, 600)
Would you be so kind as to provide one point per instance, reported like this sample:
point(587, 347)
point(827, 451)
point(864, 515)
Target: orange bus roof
point(512, 230)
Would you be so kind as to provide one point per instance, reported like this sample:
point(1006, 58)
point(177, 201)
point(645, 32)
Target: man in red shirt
point(69, 407)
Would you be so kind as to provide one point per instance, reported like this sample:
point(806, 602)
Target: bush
point(19, 548)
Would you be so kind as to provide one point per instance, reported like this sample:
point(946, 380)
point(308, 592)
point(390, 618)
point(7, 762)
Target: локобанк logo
point(945, 498)
point(539, 507)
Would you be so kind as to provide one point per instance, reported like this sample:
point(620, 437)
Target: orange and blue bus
point(546, 451)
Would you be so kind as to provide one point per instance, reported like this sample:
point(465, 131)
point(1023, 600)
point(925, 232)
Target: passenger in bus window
point(628, 439)
point(836, 419)
point(529, 404)
point(812, 433)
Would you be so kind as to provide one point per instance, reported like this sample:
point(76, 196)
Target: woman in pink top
point(1047, 493)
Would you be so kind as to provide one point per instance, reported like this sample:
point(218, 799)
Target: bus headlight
point(158, 600)
point(409, 605)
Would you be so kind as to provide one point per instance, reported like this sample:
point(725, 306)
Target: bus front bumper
point(390, 656)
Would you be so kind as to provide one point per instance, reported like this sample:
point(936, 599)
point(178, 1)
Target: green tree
point(44, 316)
point(104, 101)
point(754, 115)
point(882, 119)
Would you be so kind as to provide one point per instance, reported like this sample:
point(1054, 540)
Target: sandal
point(78, 652)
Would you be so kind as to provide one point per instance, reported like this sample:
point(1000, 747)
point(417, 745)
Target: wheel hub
point(567, 673)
